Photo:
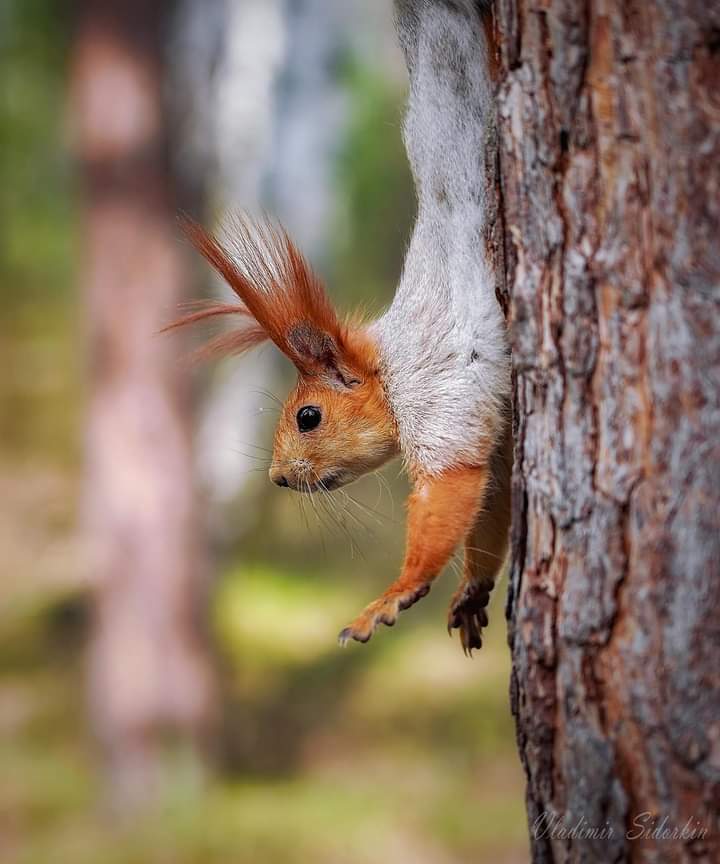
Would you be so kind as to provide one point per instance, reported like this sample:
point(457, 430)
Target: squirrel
point(429, 380)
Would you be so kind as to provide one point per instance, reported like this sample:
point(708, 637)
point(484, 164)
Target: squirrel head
point(336, 424)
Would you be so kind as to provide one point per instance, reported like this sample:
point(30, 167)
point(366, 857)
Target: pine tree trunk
point(149, 680)
point(610, 163)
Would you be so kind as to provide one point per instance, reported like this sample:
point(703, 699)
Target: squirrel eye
point(308, 418)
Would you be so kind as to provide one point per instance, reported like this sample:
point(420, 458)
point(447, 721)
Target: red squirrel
point(429, 380)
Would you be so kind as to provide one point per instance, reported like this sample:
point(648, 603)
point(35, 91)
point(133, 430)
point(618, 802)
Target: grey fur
point(443, 342)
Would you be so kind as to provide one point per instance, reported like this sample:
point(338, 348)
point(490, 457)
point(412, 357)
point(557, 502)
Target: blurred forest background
point(213, 717)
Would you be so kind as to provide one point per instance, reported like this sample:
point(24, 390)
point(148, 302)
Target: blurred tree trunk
point(610, 127)
point(149, 673)
point(225, 63)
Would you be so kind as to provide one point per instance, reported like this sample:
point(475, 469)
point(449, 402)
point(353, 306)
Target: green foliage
point(39, 391)
point(36, 208)
point(375, 192)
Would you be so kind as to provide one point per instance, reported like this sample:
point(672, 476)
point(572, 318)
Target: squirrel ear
point(317, 354)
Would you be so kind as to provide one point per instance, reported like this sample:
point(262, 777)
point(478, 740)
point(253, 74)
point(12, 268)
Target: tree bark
point(610, 163)
point(149, 673)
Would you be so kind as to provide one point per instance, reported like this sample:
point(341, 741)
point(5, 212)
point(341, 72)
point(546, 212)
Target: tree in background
point(150, 684)
point(224, 59)
point(610, 124)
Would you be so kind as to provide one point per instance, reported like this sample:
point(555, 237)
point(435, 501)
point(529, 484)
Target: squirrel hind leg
point(486, 548)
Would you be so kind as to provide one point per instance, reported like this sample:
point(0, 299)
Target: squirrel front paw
point(384, 610)
point(468, 614)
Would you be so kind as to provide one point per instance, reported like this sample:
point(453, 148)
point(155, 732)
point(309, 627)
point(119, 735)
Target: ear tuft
point(312, 345)
point(318, 355)
point(281, 300)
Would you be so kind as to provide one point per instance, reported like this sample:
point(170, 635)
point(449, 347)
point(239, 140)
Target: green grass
point(401, 748)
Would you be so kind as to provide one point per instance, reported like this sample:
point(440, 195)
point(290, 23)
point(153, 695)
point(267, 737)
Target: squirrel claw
point(347, 633)
point(468, 615)
point(385, 611)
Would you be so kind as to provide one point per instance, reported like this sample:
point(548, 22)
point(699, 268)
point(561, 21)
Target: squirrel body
point(443, 341)
point(430, 379)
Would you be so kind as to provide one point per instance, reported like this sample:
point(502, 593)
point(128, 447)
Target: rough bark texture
point(148, 668)
point(610, 161)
